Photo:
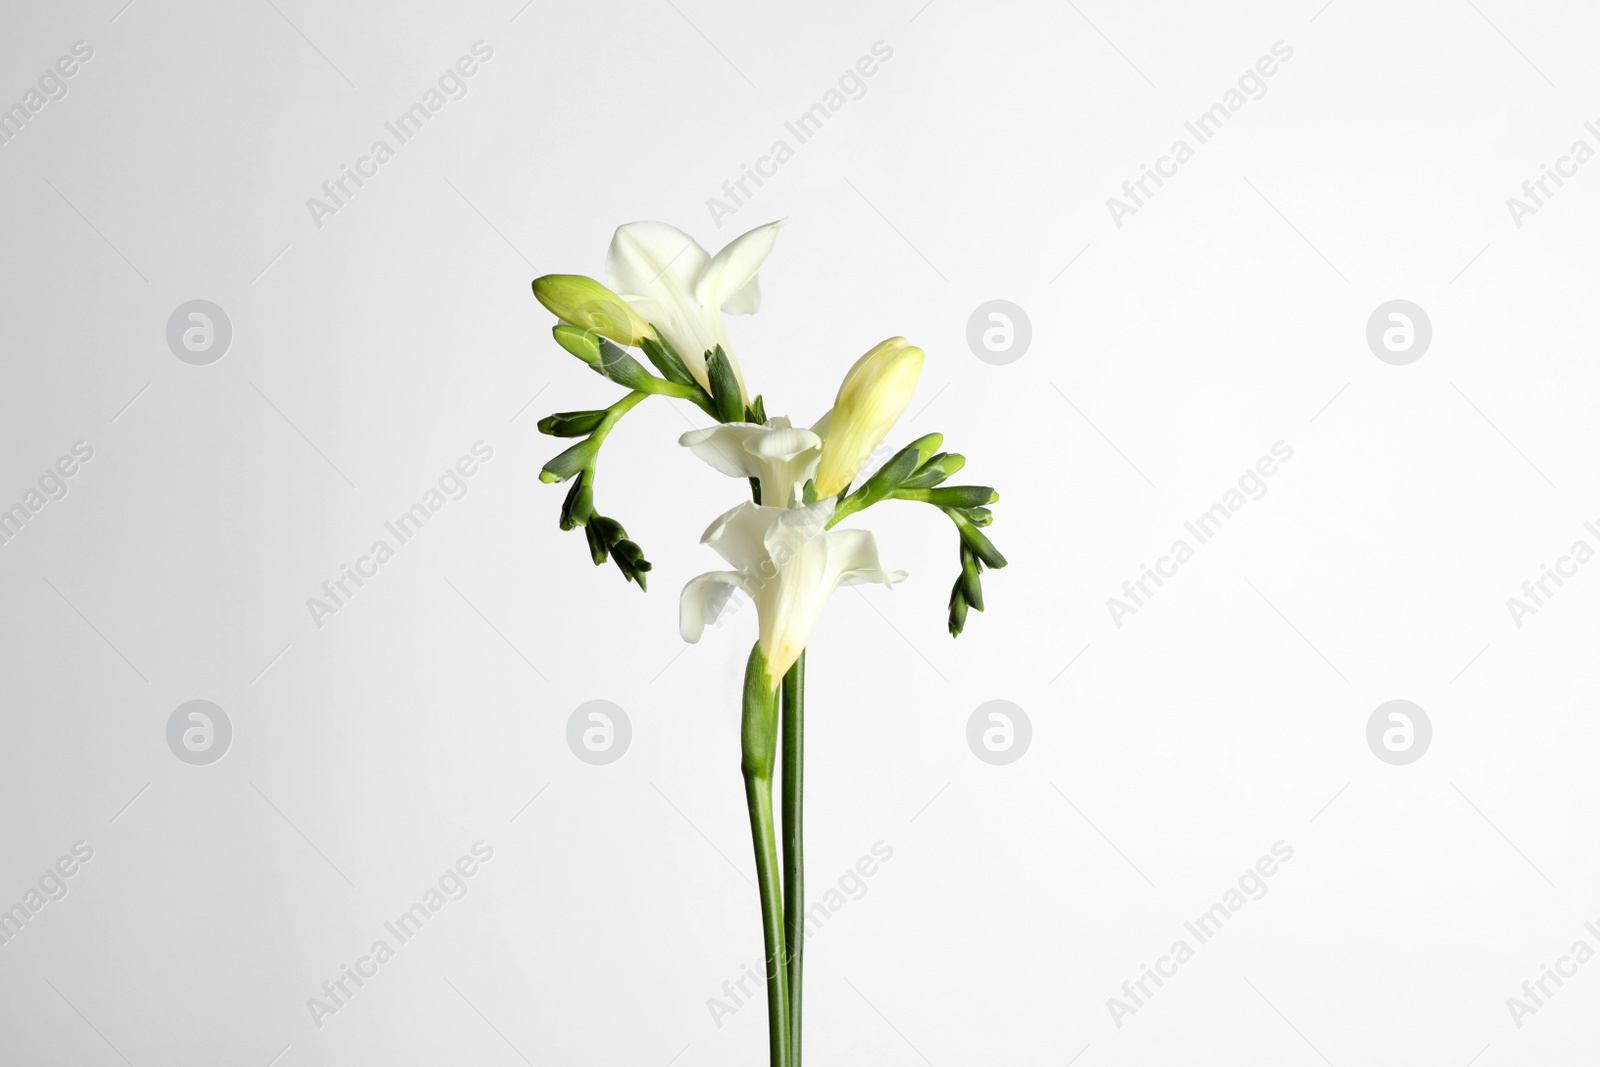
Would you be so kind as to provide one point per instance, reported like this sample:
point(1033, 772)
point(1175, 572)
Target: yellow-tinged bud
point(874, 395)
point(585, 303)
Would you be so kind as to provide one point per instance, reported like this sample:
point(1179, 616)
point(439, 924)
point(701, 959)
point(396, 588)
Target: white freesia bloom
point(682, 290)
point(782, 457)
point(788, 562)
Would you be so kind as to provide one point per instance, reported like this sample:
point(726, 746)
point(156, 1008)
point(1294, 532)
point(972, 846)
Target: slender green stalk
point(614, 413)
point(794, 865)
point(758, 796)
point(759, 739)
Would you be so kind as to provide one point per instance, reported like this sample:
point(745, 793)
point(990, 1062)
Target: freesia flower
point(682, 290)
point(873, 396)
point(788, 562)
point(780, 456)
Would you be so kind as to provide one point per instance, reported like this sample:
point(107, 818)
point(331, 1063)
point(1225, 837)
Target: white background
point(1168, 753)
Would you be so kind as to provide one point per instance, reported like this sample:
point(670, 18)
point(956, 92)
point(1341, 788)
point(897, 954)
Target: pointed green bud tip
point(585, 303)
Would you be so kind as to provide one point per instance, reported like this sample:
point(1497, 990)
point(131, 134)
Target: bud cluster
point(918, 472)
point(596, 324)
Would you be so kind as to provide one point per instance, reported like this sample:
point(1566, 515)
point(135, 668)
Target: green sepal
point(571, 423)
point(665, 358)
point(755, 490)
point(808, 492)
point(756, 411)
point(616, 364)
point(726, 401)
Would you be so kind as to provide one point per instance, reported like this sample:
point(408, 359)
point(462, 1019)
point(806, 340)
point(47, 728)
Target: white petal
point(783, 459)
point(781, 444)
point(724, 447)
point(648, 258)
point(746, 301)
point(787, 607)
point(655, 268)
point(729, 280)
point(853, 559)
point(703, 600)
point(793, 530)
point(739, 536)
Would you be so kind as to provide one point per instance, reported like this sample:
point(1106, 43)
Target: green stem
point(759, 740)
point(794, 883)
point(613, 414)
point(597, 436)
point(758, 797)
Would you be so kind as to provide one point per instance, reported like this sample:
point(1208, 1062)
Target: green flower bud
point(571, 423)
point(585, 303)
point(936, 470)
point(582, 343)
point(579, 505)
point(962, 496)
point(971, 585)
point(568, 463)
point(958, 610)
